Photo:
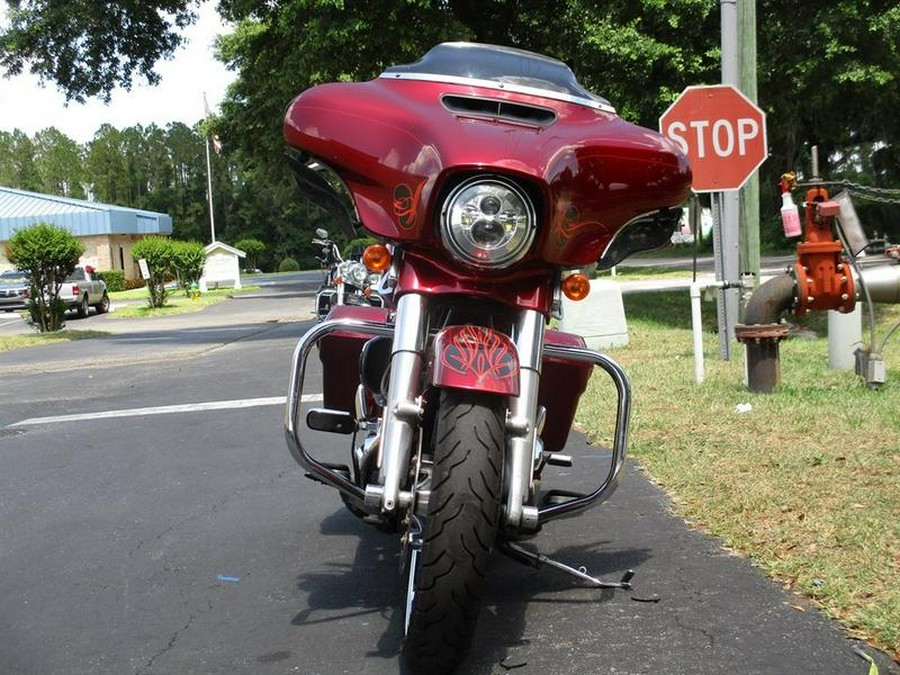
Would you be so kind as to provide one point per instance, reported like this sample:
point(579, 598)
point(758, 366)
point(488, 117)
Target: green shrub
point(50, 254)
point(289, 265)
point(114, 280)
point(253, 248)
point(188, 260)
point(159, 252)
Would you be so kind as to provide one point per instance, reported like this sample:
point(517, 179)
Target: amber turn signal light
point(576, 287)
point(376, 258)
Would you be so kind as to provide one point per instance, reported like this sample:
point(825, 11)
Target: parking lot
point(154, 522)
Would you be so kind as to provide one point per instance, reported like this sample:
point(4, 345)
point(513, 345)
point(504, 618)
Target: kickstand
point(536, 560)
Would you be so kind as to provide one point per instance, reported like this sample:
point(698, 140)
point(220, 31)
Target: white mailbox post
point(222, 265)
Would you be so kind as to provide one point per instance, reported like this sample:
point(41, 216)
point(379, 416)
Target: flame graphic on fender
point(475, 357)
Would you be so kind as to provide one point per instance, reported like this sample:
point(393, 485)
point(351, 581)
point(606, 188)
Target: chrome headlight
point(488, 222)
point(354, 273)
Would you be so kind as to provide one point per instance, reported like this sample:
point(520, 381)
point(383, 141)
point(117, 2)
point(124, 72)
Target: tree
point(188, 258)
point(87, 48)
point(59, 161)
point(159, 252)
point(187, 204)
point(50, 254)
point(106, 166)
point(17, 166)
point(253, 248)
point(828, 74)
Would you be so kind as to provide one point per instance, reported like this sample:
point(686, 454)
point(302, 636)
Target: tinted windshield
point(77, 275)
point(503, 65)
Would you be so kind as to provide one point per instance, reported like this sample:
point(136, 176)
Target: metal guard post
point(295, 392)
point(620, 441)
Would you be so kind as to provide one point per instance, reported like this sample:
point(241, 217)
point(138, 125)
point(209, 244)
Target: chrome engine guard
point(571, 503)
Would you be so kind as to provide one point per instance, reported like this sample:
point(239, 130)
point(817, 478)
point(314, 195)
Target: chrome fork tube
point(529, 338)
point(402, 409)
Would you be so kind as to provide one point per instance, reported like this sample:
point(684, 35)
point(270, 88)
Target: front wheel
point(103, 307)
point(450, 560)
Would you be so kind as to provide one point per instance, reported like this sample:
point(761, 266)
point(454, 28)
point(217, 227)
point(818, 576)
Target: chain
point(868, 192)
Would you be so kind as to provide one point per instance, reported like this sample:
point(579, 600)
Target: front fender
point(475, 358)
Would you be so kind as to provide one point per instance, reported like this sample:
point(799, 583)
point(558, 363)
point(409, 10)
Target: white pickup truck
point(82, 290)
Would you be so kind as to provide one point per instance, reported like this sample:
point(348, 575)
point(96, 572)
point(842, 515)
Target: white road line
point(166, 410)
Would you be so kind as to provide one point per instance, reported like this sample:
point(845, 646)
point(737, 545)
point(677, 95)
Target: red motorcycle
point(488, 173)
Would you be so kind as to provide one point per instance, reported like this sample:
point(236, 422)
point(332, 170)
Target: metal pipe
point(883, 283)
point(697, 322)
point(761, 331)
point(697, 331)
point(770, 300)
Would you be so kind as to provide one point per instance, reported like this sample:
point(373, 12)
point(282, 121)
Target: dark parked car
point(13, 290)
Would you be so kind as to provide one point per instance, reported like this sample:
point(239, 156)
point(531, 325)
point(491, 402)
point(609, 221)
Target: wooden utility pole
point(749, 231)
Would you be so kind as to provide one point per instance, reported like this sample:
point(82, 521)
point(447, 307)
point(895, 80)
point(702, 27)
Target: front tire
point(464, 510)
point(103, 307)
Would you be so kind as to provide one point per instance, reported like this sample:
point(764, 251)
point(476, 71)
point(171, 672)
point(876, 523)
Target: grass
point(10, 342)
point(176, 302)
point(805, 484)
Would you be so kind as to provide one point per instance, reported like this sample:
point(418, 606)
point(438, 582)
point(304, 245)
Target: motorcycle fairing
point(475, 358)
point(398, 147)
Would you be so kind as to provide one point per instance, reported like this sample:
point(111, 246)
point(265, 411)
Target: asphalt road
point(189, 541)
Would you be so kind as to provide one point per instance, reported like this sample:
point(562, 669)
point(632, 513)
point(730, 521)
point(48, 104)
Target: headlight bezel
point(459, 239)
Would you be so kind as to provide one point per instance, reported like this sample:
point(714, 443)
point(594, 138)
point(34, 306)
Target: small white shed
point(222, 266)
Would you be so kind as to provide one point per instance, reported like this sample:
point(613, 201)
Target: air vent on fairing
point(507, 111)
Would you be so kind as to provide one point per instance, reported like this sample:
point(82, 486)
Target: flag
point(216, 143)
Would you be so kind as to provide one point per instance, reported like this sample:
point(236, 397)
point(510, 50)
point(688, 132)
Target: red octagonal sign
point(721, 131)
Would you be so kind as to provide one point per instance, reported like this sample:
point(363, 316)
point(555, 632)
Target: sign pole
point(730, 204)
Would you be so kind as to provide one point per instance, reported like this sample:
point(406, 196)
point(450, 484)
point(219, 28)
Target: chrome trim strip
point(502, 86)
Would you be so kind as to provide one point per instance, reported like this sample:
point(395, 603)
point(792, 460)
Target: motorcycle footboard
point(324, 472)
point(559, 503)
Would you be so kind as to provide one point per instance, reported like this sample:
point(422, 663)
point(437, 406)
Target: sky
point(25, 105)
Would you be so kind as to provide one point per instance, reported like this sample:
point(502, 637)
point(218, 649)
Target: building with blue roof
point(108, 232)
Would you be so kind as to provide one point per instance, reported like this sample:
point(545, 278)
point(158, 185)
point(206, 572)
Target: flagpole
point(209, 190)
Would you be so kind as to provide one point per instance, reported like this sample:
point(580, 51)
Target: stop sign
point(721, 131)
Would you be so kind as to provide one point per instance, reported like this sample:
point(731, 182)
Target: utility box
point(222, 266)
point(599, 318)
